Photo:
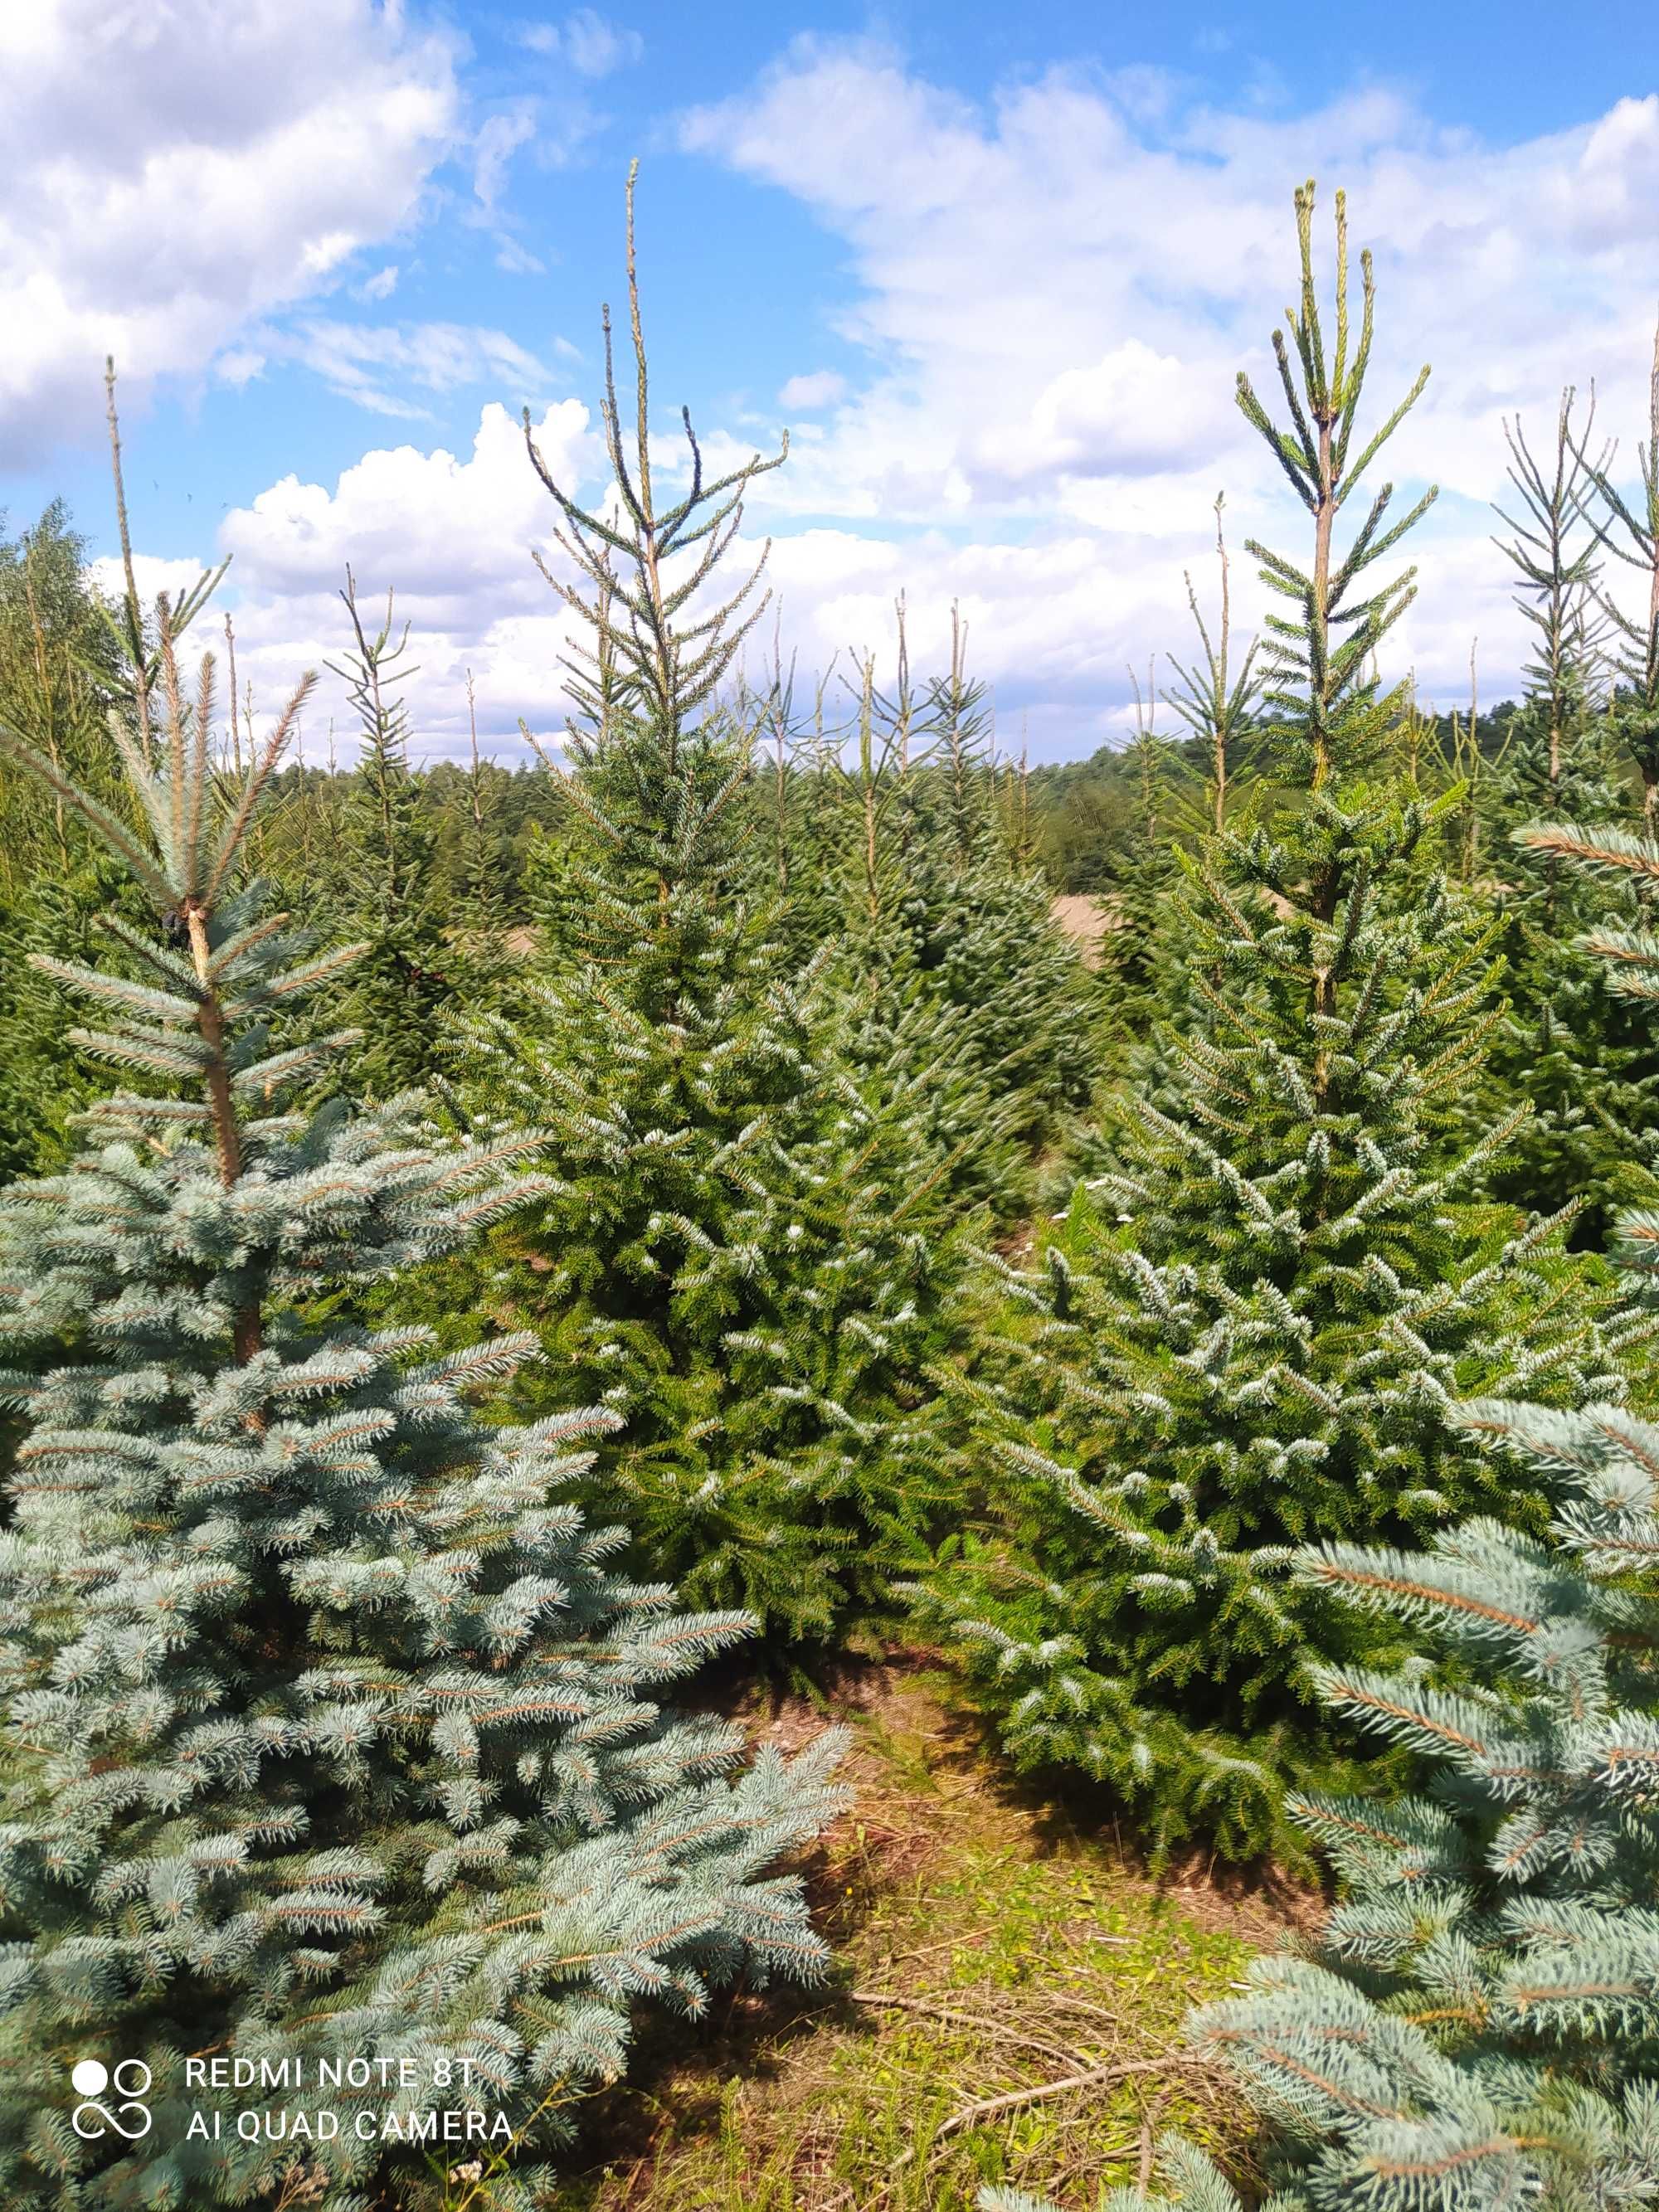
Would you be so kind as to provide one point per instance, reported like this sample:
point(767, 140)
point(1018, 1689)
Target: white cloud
point(436, 523)
point(377, 364)
point(516, 260)
point(174, 171)
point(498, 138)
point(1053, 297)
point(381, 285)
point(592, 46)
point(452, 535)
point(151, 575)
point(1056, 291)
point(1131, 413)
point(238, 365)
point(821, 387)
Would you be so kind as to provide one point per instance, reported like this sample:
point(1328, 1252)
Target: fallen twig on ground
point(987, 2023)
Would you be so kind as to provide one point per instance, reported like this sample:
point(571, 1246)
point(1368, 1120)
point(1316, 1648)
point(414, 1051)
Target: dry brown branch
point(984, 2023)
point(1011, 2100)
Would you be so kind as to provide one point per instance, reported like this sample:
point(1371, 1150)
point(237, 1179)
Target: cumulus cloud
point(1133, 413)
point(821, 387)
point(152, 574)
point(240, 156)
point(238, 365)
point(1055, 291)
point(451, 534)
point(595, 47)
point(499, 137)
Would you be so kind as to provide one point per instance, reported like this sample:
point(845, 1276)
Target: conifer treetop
point(644, 655)
point(126, 626)
point(1559, 592)
point(1325, 688)
point(373, 672)
point(1628, 529)
point(1214, 695)
point(1639, 516)
point(217, 965)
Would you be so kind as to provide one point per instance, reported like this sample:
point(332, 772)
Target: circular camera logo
point(91, 2120)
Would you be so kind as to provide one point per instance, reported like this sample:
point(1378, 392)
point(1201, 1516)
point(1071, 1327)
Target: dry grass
point(1006, 2004)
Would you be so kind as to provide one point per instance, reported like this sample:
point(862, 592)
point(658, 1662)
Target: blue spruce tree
point(332, 1726)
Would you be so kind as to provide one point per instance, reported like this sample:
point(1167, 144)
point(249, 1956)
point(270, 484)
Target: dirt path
point(1085, 919)
point(987, 1952)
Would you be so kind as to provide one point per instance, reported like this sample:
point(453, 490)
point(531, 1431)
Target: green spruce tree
point(1628, 529)
point(419, 962)
point(1215, 694)
point(1476, 2027)
point(1568, 1043)
point(1140, 951)
point(977, 911)
point(792, 798)
point(1476, 2024)
point(742, 1251)
point(910, 1049)
point(58, 670)
point(963, 1005)
point(1253, 1334)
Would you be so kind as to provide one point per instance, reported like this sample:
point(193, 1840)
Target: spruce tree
point(1477, 2024)
point(1553, 551)
point(914, 1050)
point(1567, 1042)
point(1215, 695)
point(1476, 2027)
point(481, 887)
point(1253, 1335)
point(332, 1726)
point(742, 1249)
point(1033, 1014)
point(57, 670)
point(962, 1002)
point(1628, 529)
point(418, 963)
point(978, 909)
point(1134, 947)
point(795, 819)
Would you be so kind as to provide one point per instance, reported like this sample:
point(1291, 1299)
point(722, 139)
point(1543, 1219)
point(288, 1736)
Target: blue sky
point(995, 267)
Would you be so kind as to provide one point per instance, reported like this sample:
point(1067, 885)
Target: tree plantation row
point(687, 1209)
